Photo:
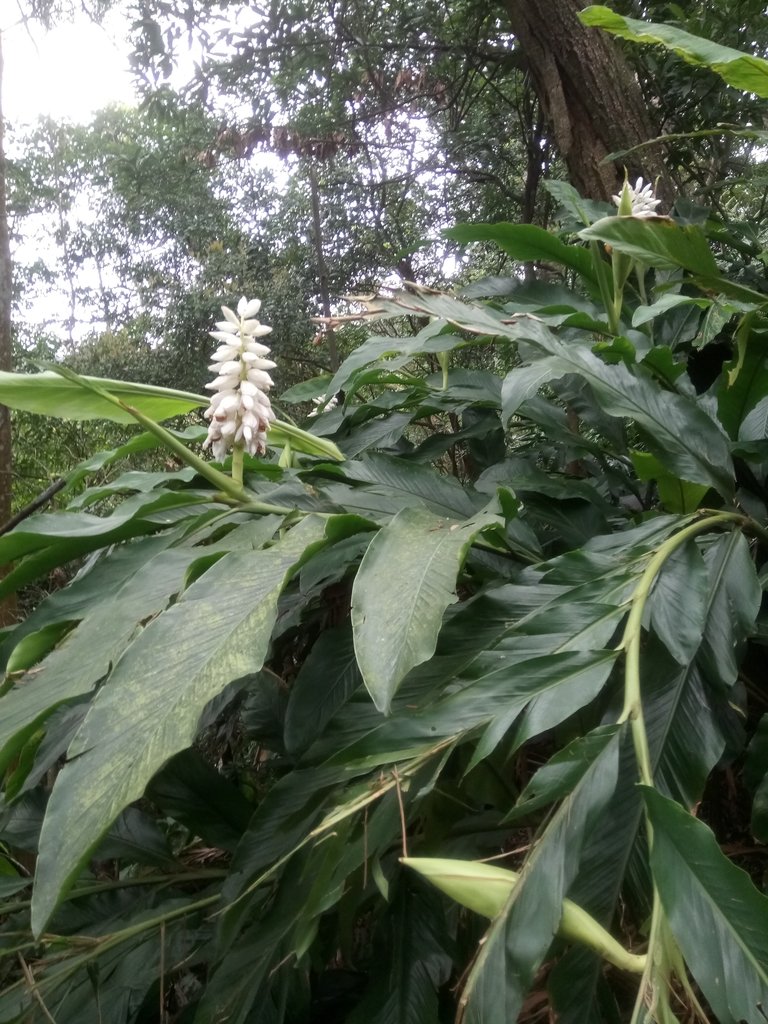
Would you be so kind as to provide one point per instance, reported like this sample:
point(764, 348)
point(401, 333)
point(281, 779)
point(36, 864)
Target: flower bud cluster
point(240, 411)
point(638, 201)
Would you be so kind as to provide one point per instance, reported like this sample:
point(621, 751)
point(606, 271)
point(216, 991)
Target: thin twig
point(33, 506)
point(402, 811)
point(30, 979)
point(365, 848)
point(163, 1015)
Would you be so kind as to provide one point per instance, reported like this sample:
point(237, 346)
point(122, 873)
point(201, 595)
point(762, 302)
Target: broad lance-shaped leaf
point(741, 70)
point(328, 677)
point(149, 709)
point(717, 916)
point(525, 242)
point(521, 934)
point(52, 395)
point(679, 432)
point(406, 580)
point(85, 657)
point(657, 242)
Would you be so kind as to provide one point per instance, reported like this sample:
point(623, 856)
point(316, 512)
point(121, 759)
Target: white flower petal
point(230, 366)
point(223, 382)
point(260, 378)
point(225, 352)
point(219, 397)
point(256, 330)
point(257, 348)
point(233, 318)
point(250, 310)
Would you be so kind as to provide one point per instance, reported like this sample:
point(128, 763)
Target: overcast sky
point(69, 72)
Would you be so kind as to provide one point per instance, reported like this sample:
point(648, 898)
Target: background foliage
point(503, 602)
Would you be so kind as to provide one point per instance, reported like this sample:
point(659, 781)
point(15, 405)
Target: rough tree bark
point(589, 95)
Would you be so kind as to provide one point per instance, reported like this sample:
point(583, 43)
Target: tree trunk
point(7, 607)
point(590, 97)
point(322, 269)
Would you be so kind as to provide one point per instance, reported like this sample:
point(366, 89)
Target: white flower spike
point(240, 411)
point(638, 201)
point(322, 406)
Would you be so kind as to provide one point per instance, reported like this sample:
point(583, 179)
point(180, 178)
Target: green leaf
point(404, 988)
point(432, 338)
point(717, 916)
point(679, 432)
point(656, 242)
point(526, 242)
point(521, 934)
point(405, 582)
point(138, 838)
point(744, 383)
point(52, 395)
point(325, 681)
point(109, 570)
point(195, 794)
point(307, 389)
point(676, 495)
point(132, 517)
point(525, 382)
point(35, 645)
point(681, 435)
point(282, 433)
point(734, 602)
point(741, 70)
point(218, 631)
point(547, 691)
point(645, 313)
point(759, 818)
point(410, 484)
point(89, 651)
point(678, 603)
point(562, 772)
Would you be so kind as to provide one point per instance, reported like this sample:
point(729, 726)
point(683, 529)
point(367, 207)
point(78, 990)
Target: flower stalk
point(631, 202)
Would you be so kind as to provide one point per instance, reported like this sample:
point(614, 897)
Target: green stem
point(620, 266)
point(631, 640)
point(237, 464)
point(102, 944)
point(658, 967)
point(644, 1008)
point(444, 360)
point(601, 274)
point(205, 469)
point(205, 875)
